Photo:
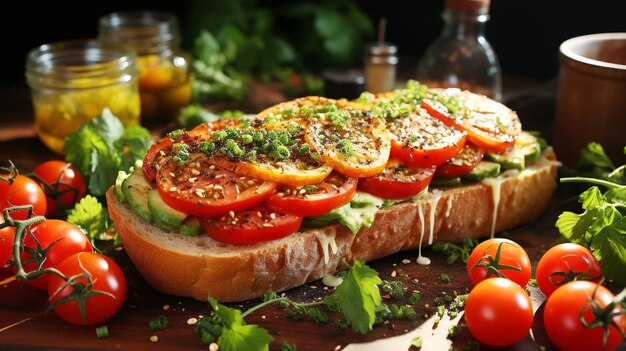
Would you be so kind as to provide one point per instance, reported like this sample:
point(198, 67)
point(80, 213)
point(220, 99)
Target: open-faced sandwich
point(243, 206)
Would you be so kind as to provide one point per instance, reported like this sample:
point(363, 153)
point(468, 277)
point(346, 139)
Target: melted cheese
point(449, 205)
point(327, 240)
point(496, 186)
point(432, 202)
point(421, 259)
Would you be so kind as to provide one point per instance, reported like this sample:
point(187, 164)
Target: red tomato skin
point(471, 156)
point(561, 259)
point(23, 191)
point(106, 275)
point(7, 237)
point(72, 240)
point(314, 205)
point(254, 229)
point(425, 158)
point(561, 318)
point(512, 254)
point(68, 177)
point(498, 312)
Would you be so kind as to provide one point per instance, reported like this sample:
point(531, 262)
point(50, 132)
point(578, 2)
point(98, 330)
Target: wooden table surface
point(24, 325)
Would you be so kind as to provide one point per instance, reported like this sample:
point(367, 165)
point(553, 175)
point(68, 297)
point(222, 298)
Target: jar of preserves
point(73, 81)
point(164, 68)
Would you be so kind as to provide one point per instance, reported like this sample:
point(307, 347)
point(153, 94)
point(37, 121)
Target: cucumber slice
point(484, 169)
point(135, 190)
point(446, 181)
point(165, 217)
point(191, 226)
point(526, 148)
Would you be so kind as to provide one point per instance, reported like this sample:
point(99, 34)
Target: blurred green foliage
point(232, 42)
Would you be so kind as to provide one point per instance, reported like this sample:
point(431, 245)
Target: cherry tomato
point(108, 282)
point(499, 257)
point(564, 263)
point(461, 164)
point(498, 312)
point(251, 226)
point(423, 141)
point(398, 181)
point(23, 191)
point(570, 305)
point(58, 239)
point(64, 186)
point(7, 237)
point(205, 189)
point(335, 191)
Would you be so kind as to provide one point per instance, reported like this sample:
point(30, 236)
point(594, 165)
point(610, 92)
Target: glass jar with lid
point(73, 81)
point(461, 56)
point(164, 68)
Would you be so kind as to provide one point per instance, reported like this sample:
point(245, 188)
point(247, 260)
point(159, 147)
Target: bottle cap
point(382, 49)
point(343, 83)
point(475, 6)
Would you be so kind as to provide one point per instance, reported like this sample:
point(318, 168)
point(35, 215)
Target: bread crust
point(175, 264)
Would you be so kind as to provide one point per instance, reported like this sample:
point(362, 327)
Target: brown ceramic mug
point(591, 101)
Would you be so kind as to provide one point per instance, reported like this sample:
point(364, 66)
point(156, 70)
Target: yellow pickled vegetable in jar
point(74, 81)
point(164, 69)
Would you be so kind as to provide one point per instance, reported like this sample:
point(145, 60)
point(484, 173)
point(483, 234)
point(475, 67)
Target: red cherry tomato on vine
point(108, 289)
point(499, 257)
point(64, 185)
point(570, 305)
point(23, 191)
point(7, 236)
point(61, 239)
point(498, 312)
point(566, 262)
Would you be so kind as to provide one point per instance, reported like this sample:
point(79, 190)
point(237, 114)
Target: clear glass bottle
point(461, 56)
point(73, 81)
point(164, 68)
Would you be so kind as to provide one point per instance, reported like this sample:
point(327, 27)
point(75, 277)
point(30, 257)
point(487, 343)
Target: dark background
point(524, 34)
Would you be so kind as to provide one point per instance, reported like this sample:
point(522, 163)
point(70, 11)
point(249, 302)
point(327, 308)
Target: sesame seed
point(273, 215)
point(213, 347)
point(231, 214)
point(192, 321)
point(268, 225)
point(393, 274)
point(406, 261)
point(166, 307)
point(154, 338)
point(172, 189)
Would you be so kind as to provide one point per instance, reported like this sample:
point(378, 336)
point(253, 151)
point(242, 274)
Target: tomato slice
point(489, 124)
point(153, 157)
point(254, 225)
point(397, 181)
point(423, 141)
point(202, 188)
point(461, 164)
point(360, 147)
point(335, 191)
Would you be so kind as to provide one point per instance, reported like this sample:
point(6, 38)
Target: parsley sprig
point(601, 226)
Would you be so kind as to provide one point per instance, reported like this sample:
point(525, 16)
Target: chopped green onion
point(102, 332)
point(159, 323)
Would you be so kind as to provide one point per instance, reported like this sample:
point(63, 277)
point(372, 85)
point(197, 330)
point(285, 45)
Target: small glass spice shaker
point(380, 64)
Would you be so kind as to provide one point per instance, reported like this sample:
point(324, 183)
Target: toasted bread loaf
point(180, 265)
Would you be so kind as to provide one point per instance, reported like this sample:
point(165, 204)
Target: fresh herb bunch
point(601, 227)
point(102, 147)
point(233, 42)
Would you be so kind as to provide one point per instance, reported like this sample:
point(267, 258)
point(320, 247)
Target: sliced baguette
point(197, 267)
